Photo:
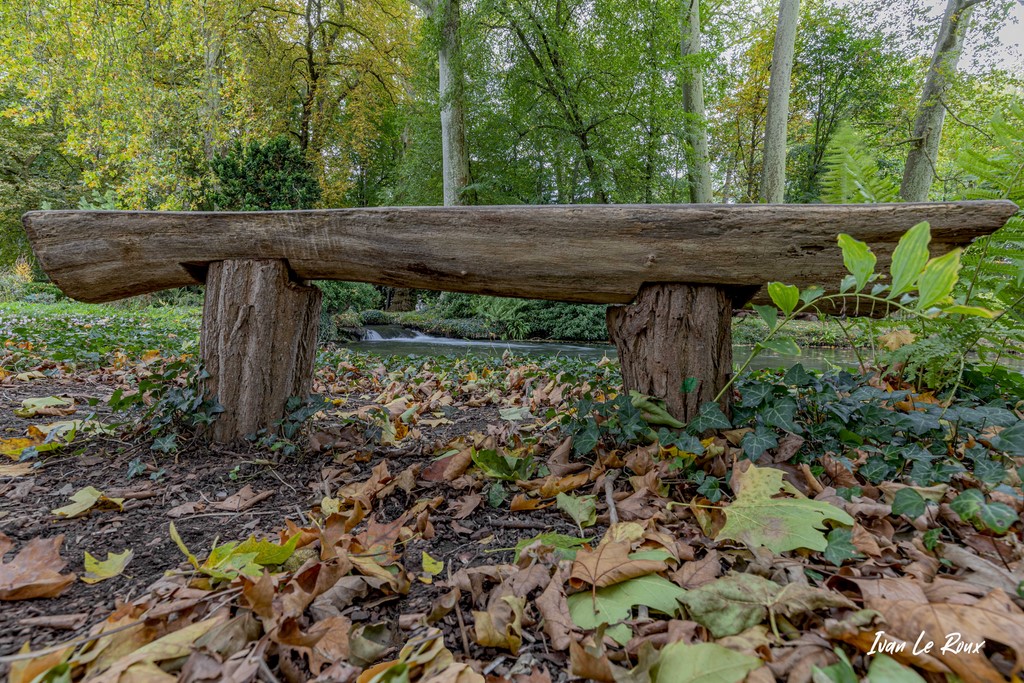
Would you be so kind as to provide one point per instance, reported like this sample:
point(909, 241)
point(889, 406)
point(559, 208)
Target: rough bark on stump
point(672, 332)
point(258, 343)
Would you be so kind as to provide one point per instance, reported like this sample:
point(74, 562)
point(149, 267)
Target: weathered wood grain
point(671, 333)
point(587, 253)
point(258, 343)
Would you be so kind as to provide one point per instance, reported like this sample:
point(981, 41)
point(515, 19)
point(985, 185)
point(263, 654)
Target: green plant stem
point(799, 311)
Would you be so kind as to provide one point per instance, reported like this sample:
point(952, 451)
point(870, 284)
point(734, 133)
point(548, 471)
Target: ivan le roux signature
point(954, 645)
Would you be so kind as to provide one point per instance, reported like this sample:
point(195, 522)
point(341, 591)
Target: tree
point(931, 109)
point(698, 164)
point(773, 180)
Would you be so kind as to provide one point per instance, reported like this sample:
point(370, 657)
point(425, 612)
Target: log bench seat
point(671, 274)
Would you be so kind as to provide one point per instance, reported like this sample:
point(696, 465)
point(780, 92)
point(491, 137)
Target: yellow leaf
point(432, 566)
point(84, 500)
point(47, 405)
point(896, 339)
point(12, 448)
point(96, 571)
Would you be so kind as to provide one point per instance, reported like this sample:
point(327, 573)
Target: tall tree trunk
point(773, 175)
point(924, 149)
point(455, 155)
point(698, 164)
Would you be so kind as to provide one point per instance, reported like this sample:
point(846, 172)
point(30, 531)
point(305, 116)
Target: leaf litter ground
point(505, 520)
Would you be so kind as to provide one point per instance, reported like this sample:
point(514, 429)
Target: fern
point(995, 266)
point(851, 175)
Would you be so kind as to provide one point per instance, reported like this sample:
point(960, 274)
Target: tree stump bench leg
point(672, 332)
point(258, 343)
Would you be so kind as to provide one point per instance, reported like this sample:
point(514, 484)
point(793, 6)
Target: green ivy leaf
point(786, 297)
point(710, 416)
point(755, 443)
point(908, 502)
point(909, 258)
point(780, 414)
point(858, 259)
point(938, 279)
point(1011, 440)
point(840, 547)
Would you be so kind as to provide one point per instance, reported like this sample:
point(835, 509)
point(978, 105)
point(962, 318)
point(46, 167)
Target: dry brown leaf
point(896, 339)
point(699, 572)
point(609, 564)
point(554, 607)
point(521, 503)
point(449, 467)
point(243, 500)
point(589, 660)
point(465, 506)
point(958, 632)
point(35, 570)
point(501, 625)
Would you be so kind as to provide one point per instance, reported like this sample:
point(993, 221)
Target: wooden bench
point(672, 272)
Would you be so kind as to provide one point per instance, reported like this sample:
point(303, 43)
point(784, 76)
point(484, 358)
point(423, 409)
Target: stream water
point(395, 340)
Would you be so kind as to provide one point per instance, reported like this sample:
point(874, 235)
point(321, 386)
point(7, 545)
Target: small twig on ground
point(462, 622)
point(609, 482)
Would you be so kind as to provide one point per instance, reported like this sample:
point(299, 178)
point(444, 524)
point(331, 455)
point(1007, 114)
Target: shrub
point(373, 317)
point(522, 318)
point(342, 296)
point(458, 305)
point(42, 289)
point(268, 176)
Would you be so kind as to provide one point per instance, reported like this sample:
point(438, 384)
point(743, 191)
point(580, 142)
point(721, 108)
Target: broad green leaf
point(84, 500)
point(885, 669)
point(780, 524)
point(769, 314)
point(96, 570)
point(780, 413)
point(811, 294)
point(612, 604)
point(976, 311)
point(968, 504)
point(908, 502)
point(786, 297)
point(858, 259)
point(938, 279)
point(267, 552)
point(784, 345)
point(731, 604)
point(909, 258)
point(997, 517)
point(736, 602)
point(653, 412)
point(582, 509)
point(702, 663)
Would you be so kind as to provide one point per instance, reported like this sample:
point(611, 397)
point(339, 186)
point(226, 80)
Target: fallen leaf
point(581, 509)
point(432, 566)
point(957, 630)
point(244, 499)
point(35, 570)
point(17, 469)
point(86, 499)
point(702, 663)
point(608, 564)
point(48, 406)
point(896, 339)
point(114, 565)
point(501, 625)
point(757, 518)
